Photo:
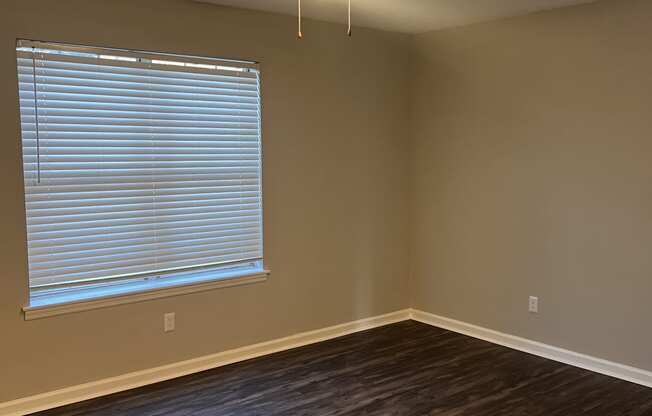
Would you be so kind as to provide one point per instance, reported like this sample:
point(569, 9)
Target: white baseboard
point(597, 365)
point(128, 381)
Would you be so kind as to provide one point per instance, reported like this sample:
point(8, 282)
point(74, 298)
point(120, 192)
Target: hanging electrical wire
point(349, 31)
point(300, 33)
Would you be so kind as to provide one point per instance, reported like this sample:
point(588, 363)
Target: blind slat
point(47, 103)
point(139, 252)
point(153, 237)
point(108, 234)
point(128, 269)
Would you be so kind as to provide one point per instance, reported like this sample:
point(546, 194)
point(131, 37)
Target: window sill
point(63, 304)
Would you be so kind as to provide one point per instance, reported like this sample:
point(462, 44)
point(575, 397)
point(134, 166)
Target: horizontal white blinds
point(137, 165)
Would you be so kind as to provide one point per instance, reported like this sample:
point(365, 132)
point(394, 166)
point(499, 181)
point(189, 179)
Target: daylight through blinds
point(137, 164)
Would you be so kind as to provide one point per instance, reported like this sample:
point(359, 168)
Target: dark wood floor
point(402, 369)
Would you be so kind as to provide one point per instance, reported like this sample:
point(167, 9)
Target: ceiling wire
point(300, 34)
point(349, 31)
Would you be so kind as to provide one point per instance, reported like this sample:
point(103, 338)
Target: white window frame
point(140, 287)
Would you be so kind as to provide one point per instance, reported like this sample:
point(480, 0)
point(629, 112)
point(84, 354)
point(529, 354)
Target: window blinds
point(137, 165)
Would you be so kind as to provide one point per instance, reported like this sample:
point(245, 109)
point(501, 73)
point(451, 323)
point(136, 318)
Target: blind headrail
point(32, 45)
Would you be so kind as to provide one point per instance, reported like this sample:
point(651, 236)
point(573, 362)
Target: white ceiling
point(406, 16)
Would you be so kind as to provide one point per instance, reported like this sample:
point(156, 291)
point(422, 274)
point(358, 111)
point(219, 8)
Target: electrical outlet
point(533, 306)
point(168, 322)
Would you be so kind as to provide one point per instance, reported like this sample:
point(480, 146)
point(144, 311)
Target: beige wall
point(334, 173)
point(527, 153)
point(532, 175)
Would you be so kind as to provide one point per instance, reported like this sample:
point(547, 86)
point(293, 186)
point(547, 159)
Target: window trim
point(89, 298)
point(51, 307)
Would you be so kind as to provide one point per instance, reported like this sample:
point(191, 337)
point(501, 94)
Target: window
point(141, 170)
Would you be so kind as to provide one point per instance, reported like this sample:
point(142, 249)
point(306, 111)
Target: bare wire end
point(349, 32)
point(299, 32)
